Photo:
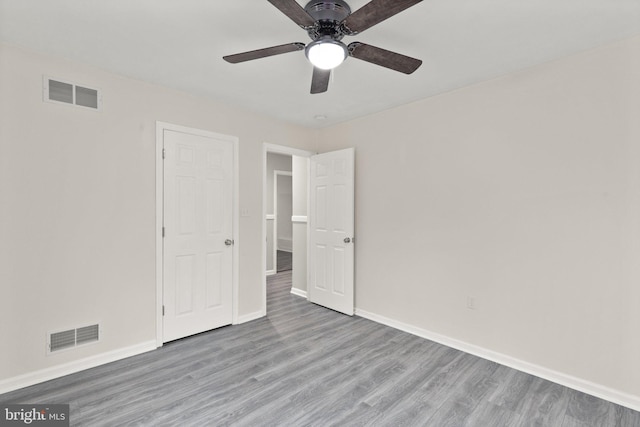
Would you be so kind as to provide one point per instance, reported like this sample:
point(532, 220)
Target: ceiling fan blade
point(320, 80)
point(384, 58)
point(263, 53)
point(373, 13)
point(295, 12)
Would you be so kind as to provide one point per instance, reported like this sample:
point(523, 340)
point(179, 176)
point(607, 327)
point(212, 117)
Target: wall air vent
point(87, 334)
point(73, 338)
point(58, 91)
point(61, 340)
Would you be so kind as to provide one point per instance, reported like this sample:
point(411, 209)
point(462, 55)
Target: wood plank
point(306, 365)
point(545, 403)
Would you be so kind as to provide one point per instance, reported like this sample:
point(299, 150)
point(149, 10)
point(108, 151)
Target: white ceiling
point(180, 44)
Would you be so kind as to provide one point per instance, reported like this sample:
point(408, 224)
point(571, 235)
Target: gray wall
point(275, 162)
point(78, 209)
point(300, 203)
point(284, 194)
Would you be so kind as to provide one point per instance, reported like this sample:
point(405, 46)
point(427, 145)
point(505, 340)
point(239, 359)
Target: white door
point(198, 234)
point(331, 225)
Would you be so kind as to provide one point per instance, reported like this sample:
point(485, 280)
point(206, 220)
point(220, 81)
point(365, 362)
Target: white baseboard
point(594, 389)
point(270, 272)
point(299, 292)
point(285, 245)
point(249, 317)
point(58, 371)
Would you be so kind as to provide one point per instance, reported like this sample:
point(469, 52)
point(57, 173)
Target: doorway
point(285, 206)
point(323, 226)
point(279, 208)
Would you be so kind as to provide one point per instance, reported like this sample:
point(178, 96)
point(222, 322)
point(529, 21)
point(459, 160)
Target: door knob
point(347, 240)
point(228, 242)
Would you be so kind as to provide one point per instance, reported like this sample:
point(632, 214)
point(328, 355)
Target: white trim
point(280, 149)
point(270, 217)
point(594, 389)
point(308, 226)
point(21, 381)
point(236, 232)
point(301, 219)
point(249, 317)
point(160, 128)
point(159, 220)
point(270, 272)
point(299, 292)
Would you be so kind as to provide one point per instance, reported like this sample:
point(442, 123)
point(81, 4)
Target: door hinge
point(163, 310)
point(164, 153)
point(163, 232)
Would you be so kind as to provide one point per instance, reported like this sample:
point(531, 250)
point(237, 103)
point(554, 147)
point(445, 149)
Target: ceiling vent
point(73, 338)
point(59, 91)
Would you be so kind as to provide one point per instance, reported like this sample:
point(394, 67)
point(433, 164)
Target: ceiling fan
point(326, 23)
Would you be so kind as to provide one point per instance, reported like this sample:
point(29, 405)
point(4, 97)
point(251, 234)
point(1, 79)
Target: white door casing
point(198, 204)
point(280, 149)
point(331, 224)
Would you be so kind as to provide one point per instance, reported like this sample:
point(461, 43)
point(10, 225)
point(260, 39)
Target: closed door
point(198, 239)
point(331, 224)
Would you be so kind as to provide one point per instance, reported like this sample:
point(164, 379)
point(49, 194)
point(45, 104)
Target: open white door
point(198, 234)
point(331, 226)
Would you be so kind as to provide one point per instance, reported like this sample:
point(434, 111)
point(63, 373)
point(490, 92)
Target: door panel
point(331, 231)
point(198, 218)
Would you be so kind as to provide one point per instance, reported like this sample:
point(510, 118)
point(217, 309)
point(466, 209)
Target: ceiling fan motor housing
point(328, 16)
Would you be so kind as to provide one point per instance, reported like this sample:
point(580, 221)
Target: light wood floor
point(304, 365)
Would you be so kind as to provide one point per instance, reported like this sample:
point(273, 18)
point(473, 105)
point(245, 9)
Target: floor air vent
point(73, 337)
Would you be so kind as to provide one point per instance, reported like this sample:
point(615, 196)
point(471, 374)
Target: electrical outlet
point(244, 212)
point(471, 303)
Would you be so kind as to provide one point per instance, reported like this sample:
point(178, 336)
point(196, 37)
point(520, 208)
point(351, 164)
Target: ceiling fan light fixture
point(326, 53)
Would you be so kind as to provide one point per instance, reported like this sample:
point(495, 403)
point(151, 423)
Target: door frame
point(160, 128)
point(277, 149)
